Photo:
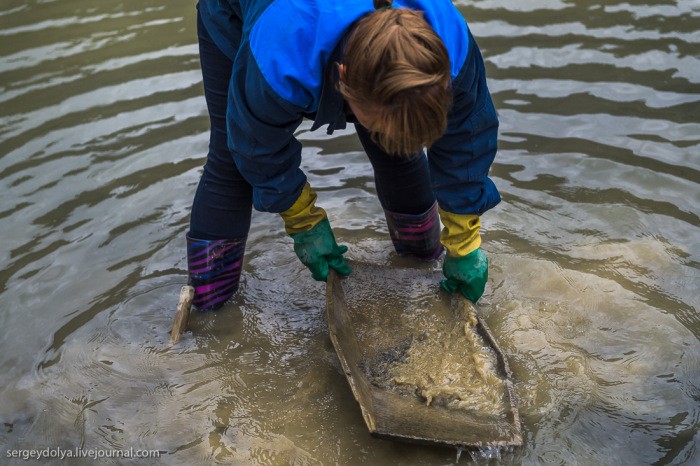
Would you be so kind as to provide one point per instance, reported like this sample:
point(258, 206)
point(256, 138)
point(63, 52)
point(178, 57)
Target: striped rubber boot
point(214, 268)
point(416, 235)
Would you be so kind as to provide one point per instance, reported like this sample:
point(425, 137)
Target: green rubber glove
point(467, 274)
point(317, 249)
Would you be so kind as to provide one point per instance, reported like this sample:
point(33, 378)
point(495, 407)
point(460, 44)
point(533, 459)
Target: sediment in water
point(447, 366)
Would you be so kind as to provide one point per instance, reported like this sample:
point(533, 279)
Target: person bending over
point(407, 74)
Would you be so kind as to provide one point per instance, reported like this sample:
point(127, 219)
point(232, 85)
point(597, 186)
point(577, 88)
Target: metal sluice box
point(382, 318)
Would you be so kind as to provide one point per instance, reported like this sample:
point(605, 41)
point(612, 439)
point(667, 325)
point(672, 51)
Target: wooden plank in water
point(182, 314)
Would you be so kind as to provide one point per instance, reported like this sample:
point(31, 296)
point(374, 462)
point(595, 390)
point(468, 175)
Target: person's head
point(395, 76)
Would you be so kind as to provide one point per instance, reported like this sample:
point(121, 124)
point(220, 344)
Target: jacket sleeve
point(261, 127)
point(460, 160)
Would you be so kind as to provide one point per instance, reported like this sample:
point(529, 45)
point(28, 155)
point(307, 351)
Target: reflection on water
point(595, 283)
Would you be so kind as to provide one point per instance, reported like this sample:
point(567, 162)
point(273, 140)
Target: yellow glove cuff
point(460, 234)
point(303, 215)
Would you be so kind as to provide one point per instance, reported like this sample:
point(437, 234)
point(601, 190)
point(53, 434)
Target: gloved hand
point(467, 274)
point(314, 242)
point(466, 267)
point(318, 251)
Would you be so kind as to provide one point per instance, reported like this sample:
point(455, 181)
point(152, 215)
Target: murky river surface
point(595, 250)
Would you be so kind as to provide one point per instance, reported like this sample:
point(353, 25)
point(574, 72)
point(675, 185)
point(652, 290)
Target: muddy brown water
point(595, 263)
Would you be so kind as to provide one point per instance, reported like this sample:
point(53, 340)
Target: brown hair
point(397, 67)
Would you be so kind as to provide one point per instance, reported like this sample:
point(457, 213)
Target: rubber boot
point(214, 269)
point(416, 235)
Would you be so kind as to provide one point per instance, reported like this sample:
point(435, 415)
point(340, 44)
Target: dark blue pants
point(223, 202)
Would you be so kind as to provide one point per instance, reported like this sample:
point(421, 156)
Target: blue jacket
point(283, 54)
